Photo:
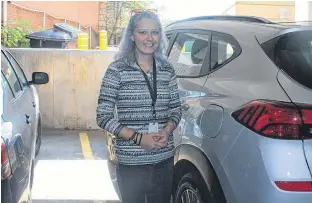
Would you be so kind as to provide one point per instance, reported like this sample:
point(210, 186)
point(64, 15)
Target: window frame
point(6, 53)
point(18, 94)
point(206, 60)
point(10, 87)
point(173, 35)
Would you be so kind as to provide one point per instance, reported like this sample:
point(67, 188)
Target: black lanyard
point(153, 92)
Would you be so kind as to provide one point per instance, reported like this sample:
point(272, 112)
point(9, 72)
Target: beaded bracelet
point(141, 135)
point(134, 137)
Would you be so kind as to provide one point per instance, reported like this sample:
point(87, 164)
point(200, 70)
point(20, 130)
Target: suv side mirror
point(39, 78)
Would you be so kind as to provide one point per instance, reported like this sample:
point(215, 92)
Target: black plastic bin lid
point(60, 32)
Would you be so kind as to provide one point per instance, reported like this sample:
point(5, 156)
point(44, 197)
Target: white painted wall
point(310, 11)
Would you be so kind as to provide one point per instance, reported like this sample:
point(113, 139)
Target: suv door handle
point(185, 107)
point(34, 104)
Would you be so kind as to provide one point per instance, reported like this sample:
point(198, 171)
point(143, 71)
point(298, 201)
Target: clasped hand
point(155, 140)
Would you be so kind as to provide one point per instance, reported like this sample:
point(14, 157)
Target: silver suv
point(246, 86)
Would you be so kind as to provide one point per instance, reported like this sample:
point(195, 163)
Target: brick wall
point(15, 14)
point(36, 20)
point(50, 21)
point(84, 12)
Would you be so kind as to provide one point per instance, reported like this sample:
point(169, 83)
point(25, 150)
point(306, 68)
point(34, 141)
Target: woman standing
point(143, 86)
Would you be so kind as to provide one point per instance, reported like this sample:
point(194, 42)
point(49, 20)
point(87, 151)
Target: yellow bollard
point(83, 41)
point(103, 40)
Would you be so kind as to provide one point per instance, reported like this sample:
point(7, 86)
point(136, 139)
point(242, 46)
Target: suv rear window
point(292, 53)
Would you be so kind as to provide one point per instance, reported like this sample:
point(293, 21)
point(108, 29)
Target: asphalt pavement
point(72, 166)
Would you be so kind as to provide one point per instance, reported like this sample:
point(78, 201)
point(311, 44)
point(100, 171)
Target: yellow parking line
point(85, 146)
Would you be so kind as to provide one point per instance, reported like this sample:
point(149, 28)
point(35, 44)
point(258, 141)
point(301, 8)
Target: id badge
point(153, 128)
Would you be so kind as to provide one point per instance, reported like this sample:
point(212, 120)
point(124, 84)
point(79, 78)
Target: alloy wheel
point(190, 196)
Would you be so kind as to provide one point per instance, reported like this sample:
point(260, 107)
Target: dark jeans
point(145, 183)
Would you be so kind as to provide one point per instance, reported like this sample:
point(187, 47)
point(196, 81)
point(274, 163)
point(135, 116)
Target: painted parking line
point(85, 145)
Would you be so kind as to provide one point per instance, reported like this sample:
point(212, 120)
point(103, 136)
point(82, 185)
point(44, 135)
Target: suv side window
point(188, 54)
point(10, 75)
point(292, 53)
point(19, 72)
point(224, 48)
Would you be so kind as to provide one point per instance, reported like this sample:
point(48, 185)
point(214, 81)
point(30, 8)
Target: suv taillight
point(276, 119)
point(307, 121)
point(5, 163)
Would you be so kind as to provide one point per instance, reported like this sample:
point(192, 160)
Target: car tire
point(190, 184)
point(38, 137)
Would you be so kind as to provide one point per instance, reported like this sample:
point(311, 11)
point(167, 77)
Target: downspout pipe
point(5, 13)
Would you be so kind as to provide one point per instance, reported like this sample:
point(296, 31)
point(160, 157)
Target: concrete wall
point(69, 100)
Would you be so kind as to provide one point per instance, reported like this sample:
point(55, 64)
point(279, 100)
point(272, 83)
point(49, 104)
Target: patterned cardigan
point(124, 85)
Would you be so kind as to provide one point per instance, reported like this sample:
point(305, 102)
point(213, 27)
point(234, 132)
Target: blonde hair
point(127, 46)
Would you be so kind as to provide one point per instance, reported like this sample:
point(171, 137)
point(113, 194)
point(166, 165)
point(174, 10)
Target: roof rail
point(226, 17)
point(303, 23)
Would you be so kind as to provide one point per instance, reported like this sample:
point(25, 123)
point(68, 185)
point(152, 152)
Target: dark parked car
point(20, 129)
